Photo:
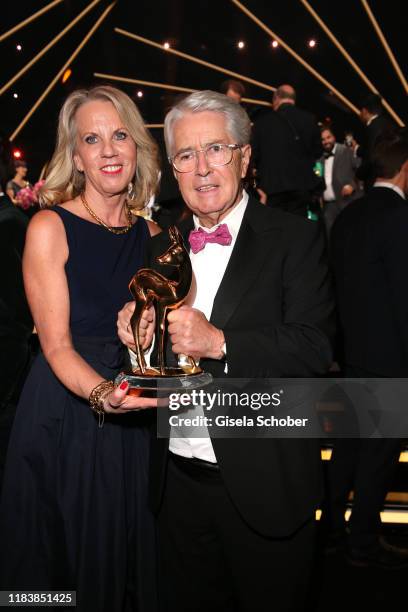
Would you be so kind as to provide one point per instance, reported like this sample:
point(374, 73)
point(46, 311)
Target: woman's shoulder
point(47, 222)
point(46, 236)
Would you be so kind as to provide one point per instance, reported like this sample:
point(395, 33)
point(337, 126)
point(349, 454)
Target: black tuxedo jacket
point(369, 251)
point(15, 317)
point(345, 165)
point(275, 307)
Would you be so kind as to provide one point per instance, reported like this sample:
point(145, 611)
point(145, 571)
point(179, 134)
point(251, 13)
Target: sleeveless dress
point(74, 512)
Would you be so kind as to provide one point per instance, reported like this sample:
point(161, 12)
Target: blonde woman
point(74, 514)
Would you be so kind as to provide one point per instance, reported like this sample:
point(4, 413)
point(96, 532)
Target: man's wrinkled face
point(209, 192)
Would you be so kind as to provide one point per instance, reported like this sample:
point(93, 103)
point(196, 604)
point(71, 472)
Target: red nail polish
point(123, 385)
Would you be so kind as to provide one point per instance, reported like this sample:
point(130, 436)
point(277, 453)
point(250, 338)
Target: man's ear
point(404, 172)
point(245, 158)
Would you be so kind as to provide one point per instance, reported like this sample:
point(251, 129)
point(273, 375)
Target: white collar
point(233, 219)
point(390, 186)
point(371, 119)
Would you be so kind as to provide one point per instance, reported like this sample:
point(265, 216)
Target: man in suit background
point(342, 187)
point(286, 144)
point(236, 516)
point(233, 89)
point(369, 248)
point(376, 125)
point(16, 324)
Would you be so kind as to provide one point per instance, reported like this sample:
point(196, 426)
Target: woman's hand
point(120, 402)
point(146, 328)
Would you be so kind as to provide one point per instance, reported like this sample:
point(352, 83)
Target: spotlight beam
point(350, 60)
point(61, 71)
point(113, 77)
point(385, 45)
point(47, 47)
point(146, 41)
point(22, 24)
point(296, 56)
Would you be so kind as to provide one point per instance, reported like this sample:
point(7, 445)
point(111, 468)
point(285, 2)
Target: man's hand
point(191, 334)
point(146, 329)
point(347, 190)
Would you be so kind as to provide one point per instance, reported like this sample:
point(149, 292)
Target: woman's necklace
point(114, 230)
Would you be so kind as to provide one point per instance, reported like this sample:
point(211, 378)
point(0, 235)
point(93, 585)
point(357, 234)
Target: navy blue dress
point(74, 512)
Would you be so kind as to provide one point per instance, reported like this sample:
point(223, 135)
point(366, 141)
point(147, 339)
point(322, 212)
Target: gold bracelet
point(97, 396)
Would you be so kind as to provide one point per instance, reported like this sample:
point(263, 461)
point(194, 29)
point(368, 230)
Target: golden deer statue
point(149, 287)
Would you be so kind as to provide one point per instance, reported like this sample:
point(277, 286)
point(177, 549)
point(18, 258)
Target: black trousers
point(366, 466)
point(211, 559)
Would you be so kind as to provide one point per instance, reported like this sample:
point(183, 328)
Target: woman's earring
point(131, 191)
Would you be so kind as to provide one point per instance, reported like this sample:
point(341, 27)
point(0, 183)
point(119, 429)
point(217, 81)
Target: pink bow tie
point(199, 238)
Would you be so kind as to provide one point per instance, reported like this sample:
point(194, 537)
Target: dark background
point(210, 30)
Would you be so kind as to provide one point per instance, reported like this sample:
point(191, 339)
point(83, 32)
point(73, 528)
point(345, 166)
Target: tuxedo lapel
point(185, 229)
point(252, 247)
point(336, 159)
point(255, 241)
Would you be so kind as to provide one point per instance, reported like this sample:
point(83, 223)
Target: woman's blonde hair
point(64, 181)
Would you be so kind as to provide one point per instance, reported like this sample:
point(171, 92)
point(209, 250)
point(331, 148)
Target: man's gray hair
point(237, 121)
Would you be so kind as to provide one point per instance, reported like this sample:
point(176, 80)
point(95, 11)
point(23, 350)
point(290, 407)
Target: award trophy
point(148, 288)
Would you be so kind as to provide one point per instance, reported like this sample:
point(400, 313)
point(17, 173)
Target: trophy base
point(172, 380)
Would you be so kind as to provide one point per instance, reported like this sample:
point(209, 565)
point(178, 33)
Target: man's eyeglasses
point(216, 154)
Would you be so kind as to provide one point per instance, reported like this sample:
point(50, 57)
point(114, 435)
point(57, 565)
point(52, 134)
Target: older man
point(236, 516)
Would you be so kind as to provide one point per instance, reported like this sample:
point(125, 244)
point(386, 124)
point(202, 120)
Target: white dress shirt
point(328, 195)
point(209, 266)
point(390, 186)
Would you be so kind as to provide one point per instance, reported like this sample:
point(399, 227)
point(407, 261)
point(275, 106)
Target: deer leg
point(135, 324)
point(161, 326)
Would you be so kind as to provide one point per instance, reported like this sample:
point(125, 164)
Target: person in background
point(341, 185)
point(73, 510)
point(233, 89)
point(286, 144)
point(369, 248)
point(19, 181)
point(16, 323)
point(376, 124)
